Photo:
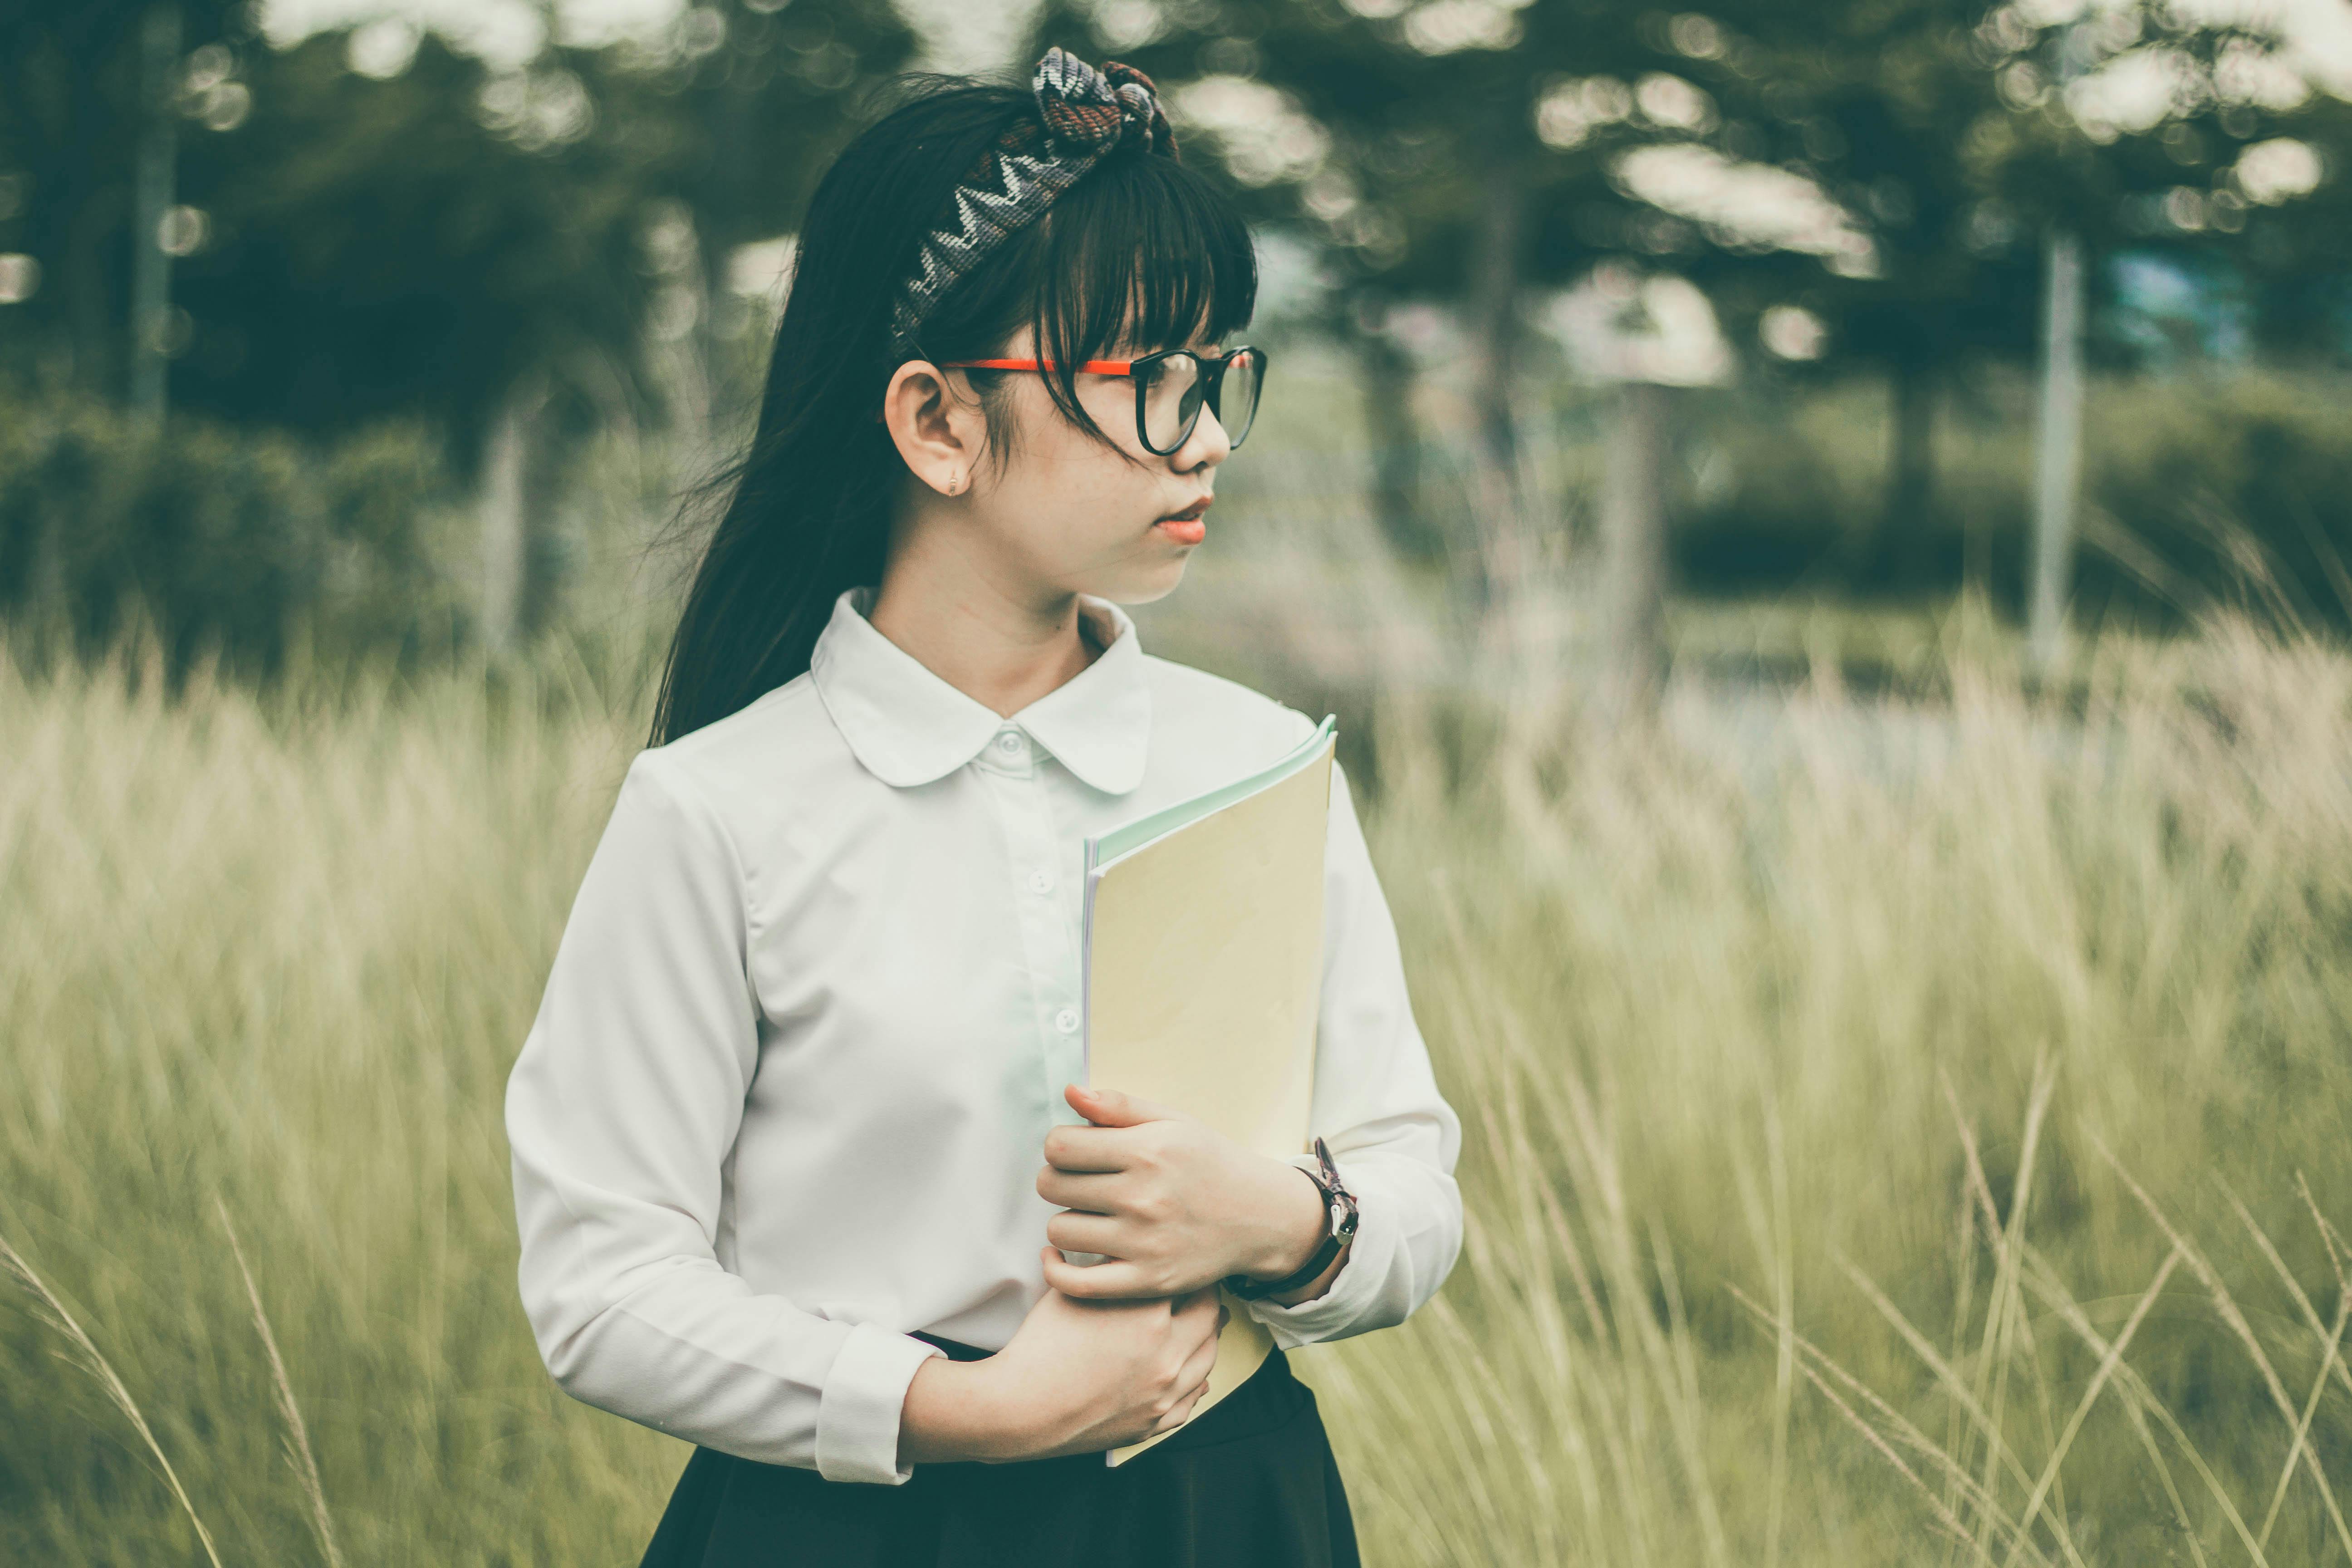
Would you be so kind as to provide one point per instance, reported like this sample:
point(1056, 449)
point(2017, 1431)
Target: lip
point(1190, 512)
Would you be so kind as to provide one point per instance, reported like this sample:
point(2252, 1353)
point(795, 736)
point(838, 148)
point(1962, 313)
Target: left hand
point(1172, 1203)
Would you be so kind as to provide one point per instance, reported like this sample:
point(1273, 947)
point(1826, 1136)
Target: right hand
point(1078, 1376)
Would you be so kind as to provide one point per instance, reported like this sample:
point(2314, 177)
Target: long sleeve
point(622, 1111)
point(1392, 1137)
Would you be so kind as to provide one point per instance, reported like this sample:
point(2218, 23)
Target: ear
point(935, 422)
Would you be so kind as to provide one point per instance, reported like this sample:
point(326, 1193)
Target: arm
point(1173, 1204)
point(1392, 1135)
point(620, 1110)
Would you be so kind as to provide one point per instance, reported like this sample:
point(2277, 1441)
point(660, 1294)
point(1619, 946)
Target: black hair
point(807, 507)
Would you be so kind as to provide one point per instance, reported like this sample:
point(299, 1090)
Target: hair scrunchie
point(1084, 116)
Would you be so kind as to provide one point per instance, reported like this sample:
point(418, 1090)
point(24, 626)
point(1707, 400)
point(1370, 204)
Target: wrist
point(958, 1411)
point(1337, 1226)
point(1300, 1233)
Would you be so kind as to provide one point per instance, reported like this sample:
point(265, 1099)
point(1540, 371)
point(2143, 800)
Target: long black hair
point(807, 508)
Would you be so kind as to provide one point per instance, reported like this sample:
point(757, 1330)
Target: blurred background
point(1828, 527)
point(407, 318)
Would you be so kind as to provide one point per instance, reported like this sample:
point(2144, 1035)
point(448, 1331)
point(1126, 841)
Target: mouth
point(1186, 527)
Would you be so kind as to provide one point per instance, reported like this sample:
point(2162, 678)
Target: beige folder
point(1203, 971)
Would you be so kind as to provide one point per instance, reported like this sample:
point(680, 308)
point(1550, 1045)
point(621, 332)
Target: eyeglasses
point(1170, 388)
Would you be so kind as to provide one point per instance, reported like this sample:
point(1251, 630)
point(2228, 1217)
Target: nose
point(1208, 444)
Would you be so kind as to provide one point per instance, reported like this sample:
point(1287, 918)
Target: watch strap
point(1340, 1224)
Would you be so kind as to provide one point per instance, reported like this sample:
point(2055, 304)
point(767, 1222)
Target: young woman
point(797, 1130)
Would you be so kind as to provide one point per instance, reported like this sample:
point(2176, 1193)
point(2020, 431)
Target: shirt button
point(1008, 742)
point(1067, 1020)
point(1040, 882)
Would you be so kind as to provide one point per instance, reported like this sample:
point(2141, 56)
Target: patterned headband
point(1083, 116)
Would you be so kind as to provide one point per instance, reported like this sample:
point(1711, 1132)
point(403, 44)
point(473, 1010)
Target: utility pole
point(505, 510)
point(1632, 529)
point(2058, 444)
point(151, 265)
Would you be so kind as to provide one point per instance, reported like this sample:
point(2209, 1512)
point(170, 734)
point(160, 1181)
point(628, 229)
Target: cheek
point(1073, 471)
point(1071, 503)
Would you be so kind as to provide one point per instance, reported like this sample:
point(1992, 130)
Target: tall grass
point(1908, 1129)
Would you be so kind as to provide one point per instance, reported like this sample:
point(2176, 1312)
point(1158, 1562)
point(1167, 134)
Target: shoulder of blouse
point(769, 729)
point(732, 772)
point(1198, 707)
point(783, 745)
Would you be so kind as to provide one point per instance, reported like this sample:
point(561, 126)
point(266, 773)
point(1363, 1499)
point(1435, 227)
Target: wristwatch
point(1340, 1224)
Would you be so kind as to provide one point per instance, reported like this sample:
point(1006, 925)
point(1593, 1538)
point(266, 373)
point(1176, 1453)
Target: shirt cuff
point(859, 1413)
point(1353, 1291)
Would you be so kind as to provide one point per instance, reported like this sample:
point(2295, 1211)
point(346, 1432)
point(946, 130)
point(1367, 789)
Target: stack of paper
point(1203, 969)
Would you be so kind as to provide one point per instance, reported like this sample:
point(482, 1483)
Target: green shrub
point(2222, 486)
point(224, 537)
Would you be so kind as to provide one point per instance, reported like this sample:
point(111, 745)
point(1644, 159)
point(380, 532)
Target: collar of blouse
point(908, 727)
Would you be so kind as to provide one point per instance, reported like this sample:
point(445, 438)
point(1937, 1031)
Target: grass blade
point(297, 1434)
point(100, 1368)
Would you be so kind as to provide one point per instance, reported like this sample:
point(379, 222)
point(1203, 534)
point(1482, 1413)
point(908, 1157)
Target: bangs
point(1146, 245)
point(1143, 254)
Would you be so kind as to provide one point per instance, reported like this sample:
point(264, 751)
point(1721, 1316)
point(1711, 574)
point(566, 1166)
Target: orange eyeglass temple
point(1092, 366)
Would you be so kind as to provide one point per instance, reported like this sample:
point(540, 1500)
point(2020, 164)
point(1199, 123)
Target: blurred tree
point(1888, 166)
point(2255, 196)
point(1887, 107)
point(2296, 203)
point(374, 224)
point(72, 108)
point(1952, 136)
point(427, 234)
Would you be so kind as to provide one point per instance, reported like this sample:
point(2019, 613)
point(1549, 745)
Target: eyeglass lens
point(1172, 396)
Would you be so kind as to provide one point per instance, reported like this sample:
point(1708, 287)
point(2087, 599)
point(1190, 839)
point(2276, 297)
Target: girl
point(797, 1130)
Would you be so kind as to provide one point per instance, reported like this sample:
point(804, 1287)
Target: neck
point(1002, 640)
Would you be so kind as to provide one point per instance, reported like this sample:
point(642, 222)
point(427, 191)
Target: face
point(1055, 510)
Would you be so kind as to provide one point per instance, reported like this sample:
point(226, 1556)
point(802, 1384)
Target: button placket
point(1019, 788)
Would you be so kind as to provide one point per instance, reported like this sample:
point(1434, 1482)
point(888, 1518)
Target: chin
point(1142, 587)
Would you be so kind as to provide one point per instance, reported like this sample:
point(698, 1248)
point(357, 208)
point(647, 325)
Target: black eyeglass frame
point(1211, 379)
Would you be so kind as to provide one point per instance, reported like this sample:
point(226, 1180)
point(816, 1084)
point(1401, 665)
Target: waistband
point(956, 1350)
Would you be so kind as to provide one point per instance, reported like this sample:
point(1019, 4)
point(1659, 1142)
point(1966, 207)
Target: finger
point(1180, 1413)
point(1115, 1280)
point(1087, 1233)
point(1115, 1107)
point(1207, 1320)
point(1084, 1149)
point(1195, 1373)
point(1197, 1302)
point(1097, 1192)
point(1192, 1385)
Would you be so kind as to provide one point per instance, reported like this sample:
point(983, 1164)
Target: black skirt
point(1249, 1483)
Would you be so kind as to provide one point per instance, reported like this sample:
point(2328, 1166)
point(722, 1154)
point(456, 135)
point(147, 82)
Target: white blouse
point(786, 1094)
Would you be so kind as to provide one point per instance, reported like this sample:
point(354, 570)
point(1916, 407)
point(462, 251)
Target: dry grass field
point(1905, 1127)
